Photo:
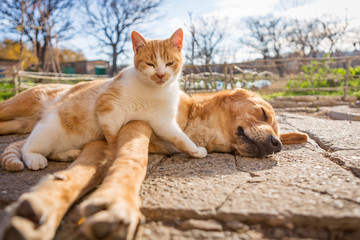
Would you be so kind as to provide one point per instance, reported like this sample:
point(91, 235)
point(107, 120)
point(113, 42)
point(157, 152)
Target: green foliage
point(303, 93)
point(319, 74)
point(289, 93)
point(6, 94)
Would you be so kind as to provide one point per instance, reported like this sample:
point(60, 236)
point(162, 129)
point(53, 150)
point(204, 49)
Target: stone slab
point(182, 187)
point(13, 184)
point(311, 98)
point(348, 159)
point(305, 189)
point(301, 192)
point(330, 135)
point(294, 104)
point(160, 230)
point(340, 138)
point(298, 186)
point(343, 109)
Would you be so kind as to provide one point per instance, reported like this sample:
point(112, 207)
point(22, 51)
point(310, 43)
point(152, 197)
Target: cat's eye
point(150, 64)
point(169, 64)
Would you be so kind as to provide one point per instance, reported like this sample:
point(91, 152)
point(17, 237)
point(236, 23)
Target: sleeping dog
point(236, 121)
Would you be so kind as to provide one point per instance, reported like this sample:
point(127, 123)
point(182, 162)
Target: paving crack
point(333, 196)
point(354, 170)
point(328, 149)
point(317, 140)
point(227, 197)
point(235, 188)
point(284, 117)
point(155, 163)
point(238, 186)
point(310, 134)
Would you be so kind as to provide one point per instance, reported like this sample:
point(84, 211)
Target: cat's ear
point(177, 38)
point(137, 40)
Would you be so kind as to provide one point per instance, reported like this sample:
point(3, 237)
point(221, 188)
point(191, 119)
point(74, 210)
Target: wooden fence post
point(232, 76)
point(346, 81)
point(20, 82)
point(225, 74)
point(16, 79)
point(212, 80)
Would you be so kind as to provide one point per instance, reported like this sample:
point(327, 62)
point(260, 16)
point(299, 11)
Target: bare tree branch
point(39, 28)
point(305, 37)
point(206, 35)
point(333, 30)
point(110, 22)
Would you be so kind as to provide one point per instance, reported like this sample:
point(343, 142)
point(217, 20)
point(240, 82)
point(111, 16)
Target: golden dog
point(229, 121)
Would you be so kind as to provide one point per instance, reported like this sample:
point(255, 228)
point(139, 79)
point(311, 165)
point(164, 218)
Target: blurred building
point(97, 67)
point(7, 64)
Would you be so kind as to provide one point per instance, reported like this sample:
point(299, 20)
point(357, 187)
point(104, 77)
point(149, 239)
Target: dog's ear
point(293, 138)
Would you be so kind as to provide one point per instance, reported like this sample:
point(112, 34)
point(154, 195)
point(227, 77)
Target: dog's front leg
point(37, 214)
point(113, 210)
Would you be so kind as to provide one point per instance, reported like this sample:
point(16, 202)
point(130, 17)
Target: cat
point(147, 91)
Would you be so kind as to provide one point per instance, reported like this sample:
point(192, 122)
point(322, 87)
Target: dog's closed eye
point(241, 133)
point(264, 114)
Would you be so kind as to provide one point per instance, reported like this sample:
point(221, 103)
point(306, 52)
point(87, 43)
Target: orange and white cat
point(147, 91)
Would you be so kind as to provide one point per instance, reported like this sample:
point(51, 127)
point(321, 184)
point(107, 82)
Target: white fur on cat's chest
point(144, 102)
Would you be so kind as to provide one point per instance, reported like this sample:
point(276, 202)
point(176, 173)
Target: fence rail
point(214, 77)
point(22, 80)
point(273, 71)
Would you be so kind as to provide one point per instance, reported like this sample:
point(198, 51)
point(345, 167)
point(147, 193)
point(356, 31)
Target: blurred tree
point(207, 33)
point(272, 37)
point(305, 37)
point(334, 30)
point(68, 55)
point(258, 38)
point(42, 22)
point(110, 22)
point(354, 38)
point(266, 36)
point(191, 54)
point(10, 49)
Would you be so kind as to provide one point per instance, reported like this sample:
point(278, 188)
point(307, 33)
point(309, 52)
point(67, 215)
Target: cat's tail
point(11, 157)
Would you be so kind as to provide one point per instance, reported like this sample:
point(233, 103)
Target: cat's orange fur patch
point(73, 107)
point(104, 104)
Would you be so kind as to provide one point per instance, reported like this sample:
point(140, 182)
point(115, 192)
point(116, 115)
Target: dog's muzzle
point(270, 146)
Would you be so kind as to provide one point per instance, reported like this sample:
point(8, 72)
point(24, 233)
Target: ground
point(310, 190)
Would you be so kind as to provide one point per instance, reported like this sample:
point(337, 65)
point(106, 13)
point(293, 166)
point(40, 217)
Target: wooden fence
point(214, 77)
point(273, 70)
point(22, 80)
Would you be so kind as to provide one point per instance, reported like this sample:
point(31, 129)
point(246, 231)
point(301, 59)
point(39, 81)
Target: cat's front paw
point(201, 153)
point(35, 161)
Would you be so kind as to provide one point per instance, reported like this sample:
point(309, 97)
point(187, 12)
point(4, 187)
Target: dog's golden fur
point(228, 121)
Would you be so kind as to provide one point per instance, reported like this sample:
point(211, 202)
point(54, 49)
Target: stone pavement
point(309, 190)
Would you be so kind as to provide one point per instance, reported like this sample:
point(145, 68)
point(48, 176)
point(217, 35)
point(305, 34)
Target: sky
point(175, 14)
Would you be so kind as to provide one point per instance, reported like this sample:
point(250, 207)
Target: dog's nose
point(275, 145)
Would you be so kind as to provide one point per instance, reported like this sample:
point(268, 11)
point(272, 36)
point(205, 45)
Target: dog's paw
point(109, 219)
point(25, 221)
point(35, 161)
point(201, 153)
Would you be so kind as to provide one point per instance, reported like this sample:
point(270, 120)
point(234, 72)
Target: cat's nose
point(160, 75)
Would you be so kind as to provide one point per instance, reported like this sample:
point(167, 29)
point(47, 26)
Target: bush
point(318, 74)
